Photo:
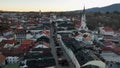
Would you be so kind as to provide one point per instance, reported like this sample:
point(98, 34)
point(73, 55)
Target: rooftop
point(27, 42)
point(110, 56)
point(2, 58)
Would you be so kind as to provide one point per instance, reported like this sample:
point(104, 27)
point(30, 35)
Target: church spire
point(84, 10)
point(83, 21)
point(40, 12)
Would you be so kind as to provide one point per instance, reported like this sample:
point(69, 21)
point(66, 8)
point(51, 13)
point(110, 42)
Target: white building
point(106, 31)
point(83, 25)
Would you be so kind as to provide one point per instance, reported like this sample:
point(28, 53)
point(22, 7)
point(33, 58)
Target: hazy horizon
point(52, 5)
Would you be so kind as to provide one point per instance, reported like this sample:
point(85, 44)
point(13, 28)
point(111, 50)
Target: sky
point(52, 5)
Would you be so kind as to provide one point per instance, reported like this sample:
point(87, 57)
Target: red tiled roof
point(46, 32)
point(108, 37)
point(78, 24)
point(109, 46)
point(2, 58)
point(117, 31)
point(16, 23)
point(46, 44)
point(9, 41)
point(106, 49)
point(27, 42)
point(107, 29)
point(117, 50)
point(24, 46)
point(20, 30)
point(9, 30)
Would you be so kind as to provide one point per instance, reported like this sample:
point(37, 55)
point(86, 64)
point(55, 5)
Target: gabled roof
point(109, 44)
point(117, 50)
point(78, 24)
point(9, 41)
point(27, 42)
point(117, 31)
point(20, 31)
point(41, 46)
point(9, 30)
point(24, 46)
point(107, 29)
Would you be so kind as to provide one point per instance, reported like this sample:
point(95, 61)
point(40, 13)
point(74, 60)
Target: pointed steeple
point(40, 12)
point(83, 21)
point(84, 10)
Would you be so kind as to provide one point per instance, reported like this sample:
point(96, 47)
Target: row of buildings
point(28, 37)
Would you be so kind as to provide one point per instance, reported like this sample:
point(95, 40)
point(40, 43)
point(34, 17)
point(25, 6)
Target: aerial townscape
point(73, 39)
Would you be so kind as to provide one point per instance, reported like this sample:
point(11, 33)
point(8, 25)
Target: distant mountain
point(111, 8)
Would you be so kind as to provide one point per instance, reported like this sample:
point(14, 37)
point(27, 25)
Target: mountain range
point(110, 8)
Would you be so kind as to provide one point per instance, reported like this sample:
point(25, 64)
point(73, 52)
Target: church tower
point(39, 12)
point(83, 21)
